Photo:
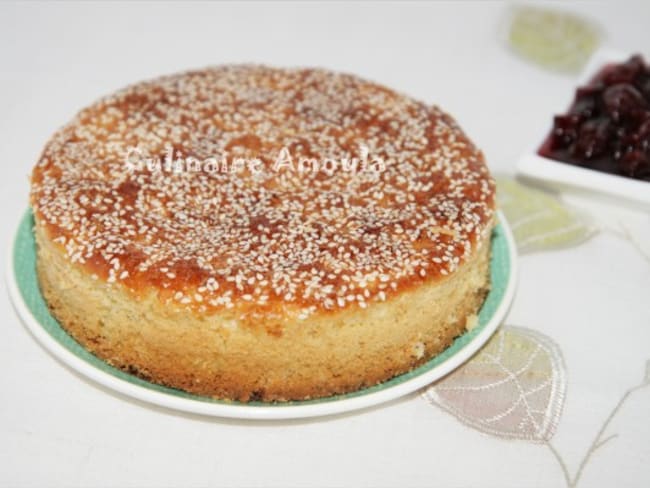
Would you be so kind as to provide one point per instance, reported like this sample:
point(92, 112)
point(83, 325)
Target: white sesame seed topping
point(212, 238)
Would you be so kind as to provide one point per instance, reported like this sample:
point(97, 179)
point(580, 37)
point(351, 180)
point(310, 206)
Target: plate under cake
point(271, 282)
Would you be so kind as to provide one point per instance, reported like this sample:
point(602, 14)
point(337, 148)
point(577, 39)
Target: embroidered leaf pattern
point(538, 220)
point(552, 39)
point(637, 235)
point(514, 387)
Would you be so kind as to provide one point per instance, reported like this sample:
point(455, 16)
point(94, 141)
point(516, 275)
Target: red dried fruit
point(623, 101)
point(608, 125)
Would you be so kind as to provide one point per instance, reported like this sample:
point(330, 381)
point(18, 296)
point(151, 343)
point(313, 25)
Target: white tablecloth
point(58, 429)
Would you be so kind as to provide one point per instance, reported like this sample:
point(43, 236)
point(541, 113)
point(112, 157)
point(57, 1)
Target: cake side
point(220, 356)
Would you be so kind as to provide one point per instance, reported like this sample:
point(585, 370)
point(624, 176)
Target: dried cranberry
point(633, 162)
point(643, 171)
point(592, 140)
point(626, 72)
point(565, 130)
point(623, 101)
point(643, 84)
point(628, 141)
point(586, 102)
point(638, 139)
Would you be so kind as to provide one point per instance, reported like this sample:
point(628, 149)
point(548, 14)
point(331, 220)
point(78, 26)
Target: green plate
point(29, 302)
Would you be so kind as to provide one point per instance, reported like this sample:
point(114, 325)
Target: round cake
point(254, 233)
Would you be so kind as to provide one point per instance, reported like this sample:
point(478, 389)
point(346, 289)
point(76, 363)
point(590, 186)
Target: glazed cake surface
point(248, 232)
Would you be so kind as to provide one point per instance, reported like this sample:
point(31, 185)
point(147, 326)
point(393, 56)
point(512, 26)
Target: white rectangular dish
point(583, 180)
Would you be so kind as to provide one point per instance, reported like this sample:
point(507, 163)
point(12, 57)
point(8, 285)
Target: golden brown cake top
point(254, 187)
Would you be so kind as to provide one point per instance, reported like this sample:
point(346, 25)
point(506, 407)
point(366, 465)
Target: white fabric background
point(57, 429)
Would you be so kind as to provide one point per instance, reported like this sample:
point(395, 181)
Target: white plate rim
point(275, 412)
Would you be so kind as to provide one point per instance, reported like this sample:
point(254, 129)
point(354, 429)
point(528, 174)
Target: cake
point(252, 233)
